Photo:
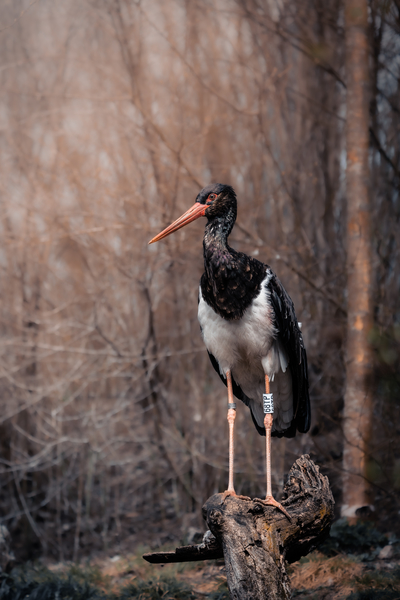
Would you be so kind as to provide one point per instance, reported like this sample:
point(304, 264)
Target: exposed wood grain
point(256, 540)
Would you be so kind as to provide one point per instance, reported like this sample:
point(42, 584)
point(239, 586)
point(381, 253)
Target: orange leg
point(268, 420)
point(231, 420)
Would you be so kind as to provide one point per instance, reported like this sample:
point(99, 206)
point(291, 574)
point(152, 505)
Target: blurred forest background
point(113, 114)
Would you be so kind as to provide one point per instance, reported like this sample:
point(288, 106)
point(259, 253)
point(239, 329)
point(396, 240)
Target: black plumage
point(231, 280)
point(248, 319)
point(230, 283)
point(250, 331)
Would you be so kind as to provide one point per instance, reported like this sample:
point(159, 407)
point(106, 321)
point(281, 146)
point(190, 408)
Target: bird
point(250, 330)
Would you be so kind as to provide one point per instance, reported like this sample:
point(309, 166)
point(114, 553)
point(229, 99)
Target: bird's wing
point(290, 336)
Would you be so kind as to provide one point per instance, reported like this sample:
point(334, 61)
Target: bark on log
point(257, 540)
point(209, 549)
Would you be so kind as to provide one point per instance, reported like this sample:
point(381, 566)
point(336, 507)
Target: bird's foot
point(232, 493)
point(270, 501)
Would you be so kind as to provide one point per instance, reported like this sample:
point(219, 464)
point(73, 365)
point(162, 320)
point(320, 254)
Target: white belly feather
point(250, 348)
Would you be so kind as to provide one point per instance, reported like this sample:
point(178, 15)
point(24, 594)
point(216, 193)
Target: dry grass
point(120, 578)
point(336, 578)
point(317, 572)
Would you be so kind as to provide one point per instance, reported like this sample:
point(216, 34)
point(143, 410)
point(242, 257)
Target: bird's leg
point(268, 419)
point(231, 420)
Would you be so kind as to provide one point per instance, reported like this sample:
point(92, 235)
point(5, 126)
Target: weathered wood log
point(257, 540)
point(210, 548)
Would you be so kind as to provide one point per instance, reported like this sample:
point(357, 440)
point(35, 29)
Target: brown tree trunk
point(357, 410)
point(256, 541)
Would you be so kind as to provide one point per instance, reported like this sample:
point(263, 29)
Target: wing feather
point(292, 341)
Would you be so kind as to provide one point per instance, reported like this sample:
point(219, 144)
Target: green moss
point(88, 573)
point(354, 539)
point(380, 579)
point(374, 595)
point(222, 592)
point(83, 583)
point(379, 585)
point(38, 583)
point(167, 588)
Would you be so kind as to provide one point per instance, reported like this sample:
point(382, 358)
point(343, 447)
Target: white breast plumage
point(250, 348)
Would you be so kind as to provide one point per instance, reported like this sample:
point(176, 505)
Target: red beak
point(196, 211)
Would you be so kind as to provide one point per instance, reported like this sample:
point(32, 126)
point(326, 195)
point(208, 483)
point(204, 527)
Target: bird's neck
point(219, 228)
point(231, 279)
point(217, 253)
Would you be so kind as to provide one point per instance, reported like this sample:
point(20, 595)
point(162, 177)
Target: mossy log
point(257, 540)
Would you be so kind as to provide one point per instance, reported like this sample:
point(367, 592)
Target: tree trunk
point(357, 409)
point(256, 540)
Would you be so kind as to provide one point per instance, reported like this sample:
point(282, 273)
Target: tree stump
point(257, 540)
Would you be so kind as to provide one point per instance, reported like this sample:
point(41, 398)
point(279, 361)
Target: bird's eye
point(212, 196)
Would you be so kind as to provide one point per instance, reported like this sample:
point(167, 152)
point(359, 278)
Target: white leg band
point(268, 404)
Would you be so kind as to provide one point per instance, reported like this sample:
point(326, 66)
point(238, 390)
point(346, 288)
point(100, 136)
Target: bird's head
point(214, 201)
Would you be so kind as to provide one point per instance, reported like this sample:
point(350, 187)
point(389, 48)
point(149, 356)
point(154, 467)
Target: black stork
point(250, 330)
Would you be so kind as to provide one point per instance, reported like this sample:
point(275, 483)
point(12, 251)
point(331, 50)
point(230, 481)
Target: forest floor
point(350, 566)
